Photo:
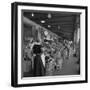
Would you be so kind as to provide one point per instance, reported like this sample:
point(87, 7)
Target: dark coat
point(39, 69)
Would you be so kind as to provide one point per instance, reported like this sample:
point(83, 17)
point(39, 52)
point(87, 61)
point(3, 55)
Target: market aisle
point(70, 67)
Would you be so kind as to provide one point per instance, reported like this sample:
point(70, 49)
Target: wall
point(5, 46)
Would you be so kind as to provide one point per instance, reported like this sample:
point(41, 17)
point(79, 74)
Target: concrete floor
point(70, 67)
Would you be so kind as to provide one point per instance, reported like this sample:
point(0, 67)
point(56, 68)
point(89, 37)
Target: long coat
point(39, 69)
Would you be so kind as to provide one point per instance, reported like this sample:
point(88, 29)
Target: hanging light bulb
point(49, 15)
point(32, 14)
point(42, 21)
point(49, 26)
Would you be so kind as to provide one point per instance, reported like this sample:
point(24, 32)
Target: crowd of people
point(47, 53)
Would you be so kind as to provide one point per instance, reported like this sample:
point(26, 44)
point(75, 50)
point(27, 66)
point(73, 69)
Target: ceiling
point(61, 23)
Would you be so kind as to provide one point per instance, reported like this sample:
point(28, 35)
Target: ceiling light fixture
point(49, 15)
point(42, 21)
point(49, 26)
point(32, 14)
